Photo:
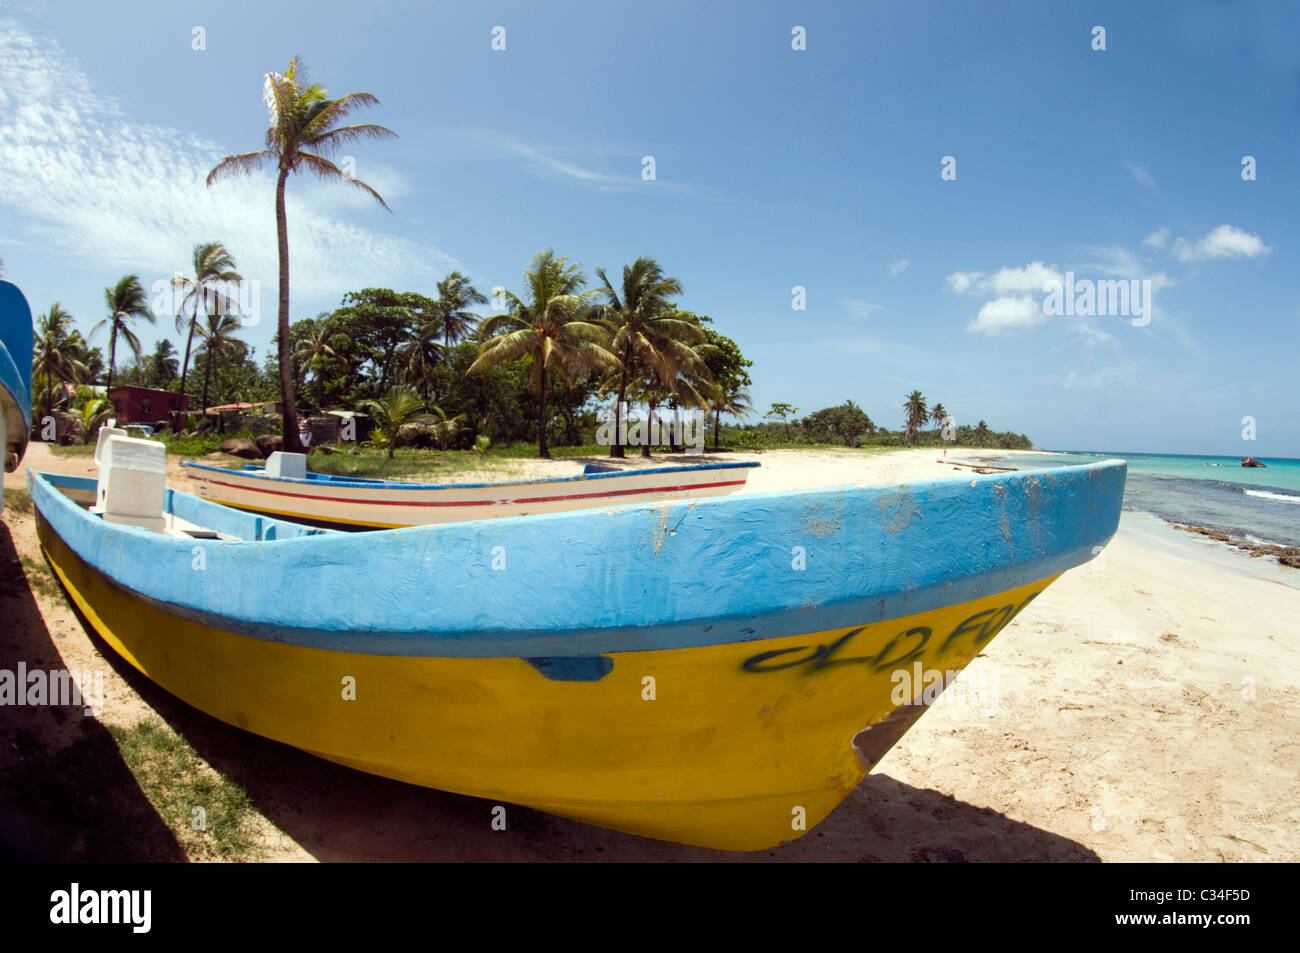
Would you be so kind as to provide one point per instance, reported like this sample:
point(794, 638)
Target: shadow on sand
point(65, 792)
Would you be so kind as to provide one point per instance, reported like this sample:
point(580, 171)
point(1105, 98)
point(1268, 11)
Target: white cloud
point(898, 267)
point(859, 307)
point(1224, 242)
point(1008, 313)
point(1006, 281)
point(114, 194)
point(1141, 175)
point(1030, 278)
point(1157, 239)
point(964, 281)
point(1122, 263)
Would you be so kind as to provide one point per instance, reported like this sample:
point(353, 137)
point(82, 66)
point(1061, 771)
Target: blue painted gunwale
point(316, 479)
point(16, 358)
point(628, 578)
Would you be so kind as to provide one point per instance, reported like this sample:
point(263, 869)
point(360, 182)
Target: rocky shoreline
point(1285, 555)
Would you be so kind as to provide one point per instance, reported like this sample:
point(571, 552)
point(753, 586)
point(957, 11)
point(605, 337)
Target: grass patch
point(40, 579)
point(374, 464)
point(72, 449)
point(18, 500)
point(177, 783)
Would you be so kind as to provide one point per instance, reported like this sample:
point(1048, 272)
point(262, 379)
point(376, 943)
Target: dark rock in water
point(241, 447)
point(269, 443)
point(1250, 462)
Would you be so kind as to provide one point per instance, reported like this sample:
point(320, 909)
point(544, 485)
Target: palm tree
point(218, 336)
point(455, 294)
point(93, 413)
point(398, 407)
point(917, 415)
point(421, 355)
point(56, 352)
point(443, 428)
point(672, 365)
point(212, 264)
point(162, 363)
point(736, 404)
point(554, 327)
point(92, 357)
point(302, 117)
point(321, 343)
point(981, 433)
point(638, 315)
point(126, 301)
point(937, 415)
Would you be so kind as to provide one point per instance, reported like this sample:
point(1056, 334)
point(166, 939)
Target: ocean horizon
point(1258, 504)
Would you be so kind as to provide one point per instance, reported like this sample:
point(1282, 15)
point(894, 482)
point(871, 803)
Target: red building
point(142, 405)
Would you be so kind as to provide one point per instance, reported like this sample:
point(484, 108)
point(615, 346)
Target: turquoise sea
point(1218, 492)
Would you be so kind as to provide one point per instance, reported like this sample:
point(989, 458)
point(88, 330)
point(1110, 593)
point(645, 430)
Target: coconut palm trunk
point(649, 429)
point(112, 358)
point(616, 449)
point(289, 414)
point(542, 450)
point(207, 377)
point(189, 342)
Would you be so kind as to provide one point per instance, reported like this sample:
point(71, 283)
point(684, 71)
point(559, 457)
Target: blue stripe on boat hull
point(631, 578)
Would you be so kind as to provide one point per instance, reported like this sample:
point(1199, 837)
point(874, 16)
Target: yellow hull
point(743, 746)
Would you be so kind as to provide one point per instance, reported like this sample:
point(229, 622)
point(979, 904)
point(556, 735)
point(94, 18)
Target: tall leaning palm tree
point(302, 135)
point(916, 415)
point(201, 293)
point(126, 301)
point(639, 316)
point(554, 327)
point(57, 352)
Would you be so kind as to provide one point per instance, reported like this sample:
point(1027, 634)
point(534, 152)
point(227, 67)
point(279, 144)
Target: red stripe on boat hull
point(519, 502)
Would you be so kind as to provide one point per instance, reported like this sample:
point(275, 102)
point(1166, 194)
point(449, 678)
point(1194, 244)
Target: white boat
point(284, 488)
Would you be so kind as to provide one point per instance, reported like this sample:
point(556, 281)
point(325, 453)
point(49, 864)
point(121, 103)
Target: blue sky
point(775, 168)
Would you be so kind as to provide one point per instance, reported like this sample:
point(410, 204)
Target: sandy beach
point(1144, 710)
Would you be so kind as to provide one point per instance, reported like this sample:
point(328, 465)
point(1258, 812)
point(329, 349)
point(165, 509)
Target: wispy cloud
point(859, 307)
point(1141, 175)
point(1224, 242)
point(113, 193)
point(1157, 239)
point(568, 169)
point(898, 267)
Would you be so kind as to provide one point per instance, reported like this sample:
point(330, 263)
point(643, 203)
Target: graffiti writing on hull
point(898, 651)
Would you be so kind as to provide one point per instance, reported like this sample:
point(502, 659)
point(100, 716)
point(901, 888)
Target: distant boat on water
point(1250, 462)
point(720, 672)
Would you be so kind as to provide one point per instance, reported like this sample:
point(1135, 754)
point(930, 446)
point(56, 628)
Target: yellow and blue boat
point(720, 672)
point(15, 373)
